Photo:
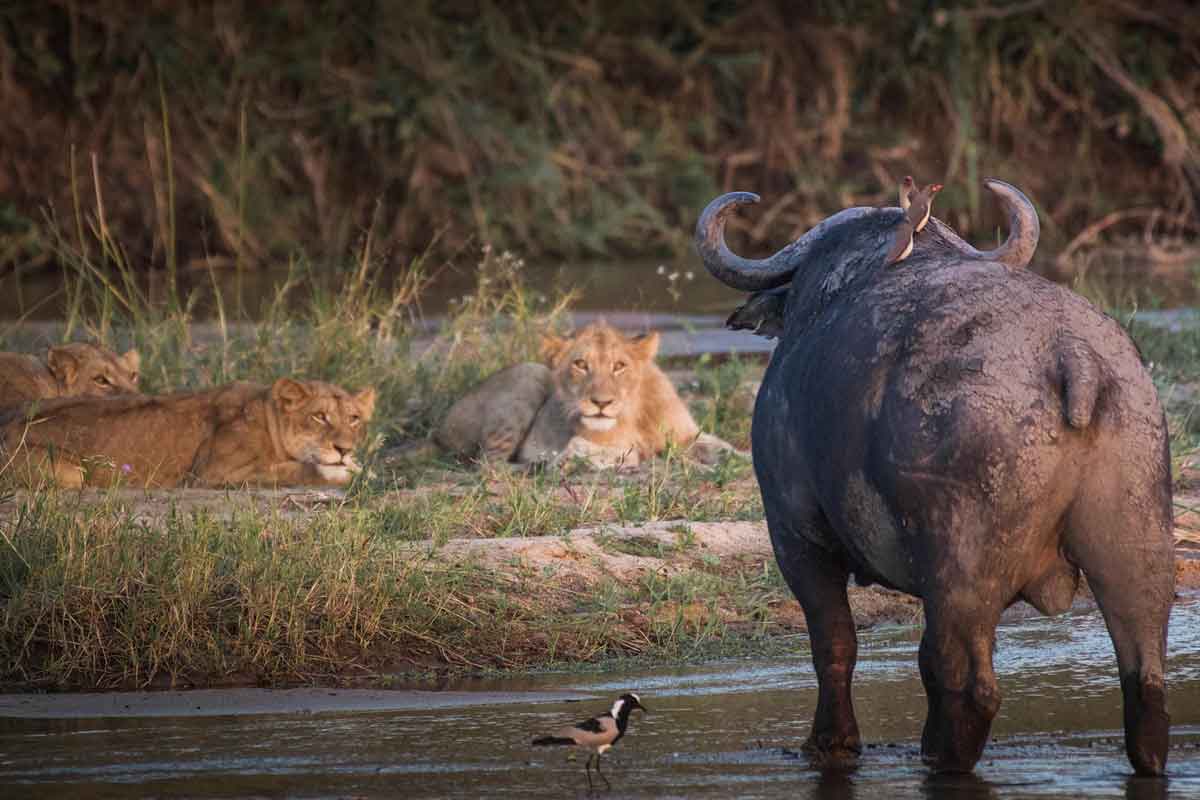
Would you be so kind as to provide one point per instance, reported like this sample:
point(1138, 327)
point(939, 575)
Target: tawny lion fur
point(290, 433)
point(70, 370)
point(598, 394)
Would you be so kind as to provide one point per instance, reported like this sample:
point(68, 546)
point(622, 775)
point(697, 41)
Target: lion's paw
point(597, 456)
point(709, 449)
point(338, 473)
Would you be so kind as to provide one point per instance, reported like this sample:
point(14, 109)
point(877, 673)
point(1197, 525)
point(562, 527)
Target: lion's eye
point(618, 367)
point(354, 420)
point(580, 365)
point(101, 380)
point(321, 417)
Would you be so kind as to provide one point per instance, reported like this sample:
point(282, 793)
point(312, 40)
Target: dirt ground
point(588, 554)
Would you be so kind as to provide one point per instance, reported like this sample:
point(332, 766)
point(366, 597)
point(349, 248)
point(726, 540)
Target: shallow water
point(726, 729)
point(626, 285)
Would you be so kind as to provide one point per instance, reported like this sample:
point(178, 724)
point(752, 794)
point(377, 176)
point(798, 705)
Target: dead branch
point(1092, 232)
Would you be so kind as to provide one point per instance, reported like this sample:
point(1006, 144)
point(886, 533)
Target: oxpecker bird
point(907, 187)
point(597, 734)
point(921, 206)
point(916, 217)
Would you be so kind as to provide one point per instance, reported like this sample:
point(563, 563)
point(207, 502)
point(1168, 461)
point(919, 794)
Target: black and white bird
point(597, 734)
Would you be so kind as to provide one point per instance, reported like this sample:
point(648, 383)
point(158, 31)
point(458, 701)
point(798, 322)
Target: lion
point(70, 370)
point(290, 433)
point(598, 395)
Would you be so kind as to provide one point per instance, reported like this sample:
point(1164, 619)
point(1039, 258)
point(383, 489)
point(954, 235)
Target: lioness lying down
point(291, 433)
point(599, 395)
point(70, 370)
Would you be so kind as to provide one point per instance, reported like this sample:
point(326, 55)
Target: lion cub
point(70, 370)
point(290, 433)
point(599, 395)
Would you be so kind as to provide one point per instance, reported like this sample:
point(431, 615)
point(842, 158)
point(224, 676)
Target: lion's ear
point(131, 361)
point(552, 348)
point(645, 346)
point(366, 399)
point(63, 365)
point(289, 394)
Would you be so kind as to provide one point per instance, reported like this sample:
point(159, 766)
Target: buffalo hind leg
point(818, 580)
point(956, 668)
point(1129, 562)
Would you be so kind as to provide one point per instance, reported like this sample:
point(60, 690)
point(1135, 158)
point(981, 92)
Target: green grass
point(450, 502)
point(95, 597)
point(724, 401)
point(1174, 358)
point(1171, 355)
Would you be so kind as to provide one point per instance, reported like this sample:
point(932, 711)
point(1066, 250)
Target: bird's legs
point(587, 768)
point(607, 785)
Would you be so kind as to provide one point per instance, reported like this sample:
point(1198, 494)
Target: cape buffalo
point(958, 428)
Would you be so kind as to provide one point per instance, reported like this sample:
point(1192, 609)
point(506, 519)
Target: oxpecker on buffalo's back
point(917, 211)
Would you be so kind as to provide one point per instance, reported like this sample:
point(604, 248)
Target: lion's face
point(598, 372)
point(90, 371)
point(319, 423)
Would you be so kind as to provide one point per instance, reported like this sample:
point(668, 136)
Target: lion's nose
point(343, 451)
point(601, 403)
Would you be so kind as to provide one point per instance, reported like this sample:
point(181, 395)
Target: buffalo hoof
point(1147, 726)
point(954, 740)
point(828, 751)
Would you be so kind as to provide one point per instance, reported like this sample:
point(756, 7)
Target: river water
point(635, 285)
point(723, 729)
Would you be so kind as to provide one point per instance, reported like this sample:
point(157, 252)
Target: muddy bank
point(627, 553)
point(587, 557)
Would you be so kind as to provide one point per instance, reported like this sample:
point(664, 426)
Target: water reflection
point(957, 787)
point(835, 784)
point(1146, 788)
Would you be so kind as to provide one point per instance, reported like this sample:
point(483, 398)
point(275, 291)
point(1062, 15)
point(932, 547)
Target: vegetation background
point(243, 133)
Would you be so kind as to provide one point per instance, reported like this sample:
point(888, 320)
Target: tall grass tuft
point(96, 598)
